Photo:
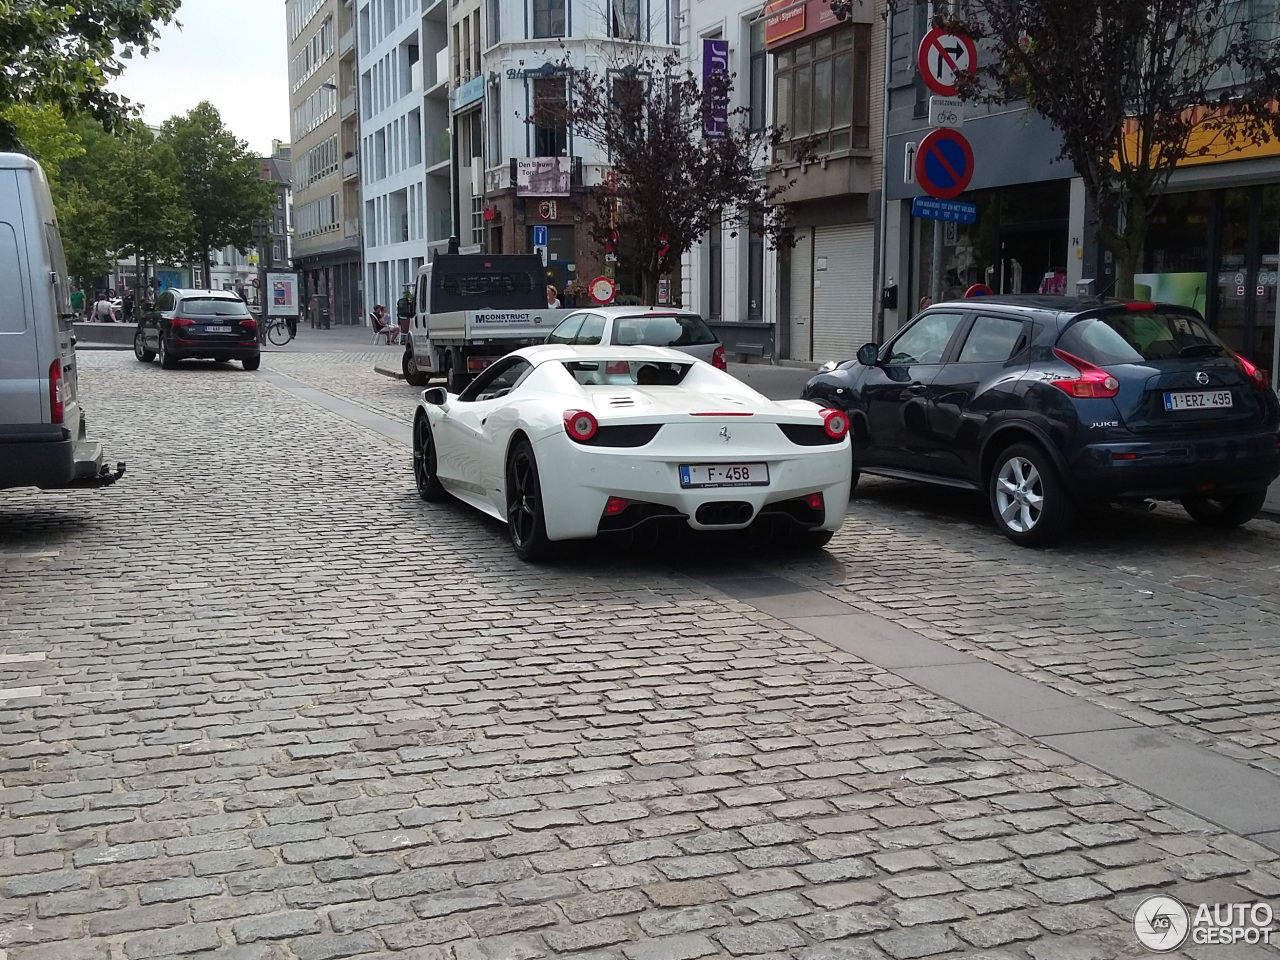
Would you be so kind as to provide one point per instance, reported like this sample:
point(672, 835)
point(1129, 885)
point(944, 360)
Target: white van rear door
point(22, 382)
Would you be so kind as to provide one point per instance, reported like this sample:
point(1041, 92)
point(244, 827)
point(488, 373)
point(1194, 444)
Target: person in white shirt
point(553, 298)
point(103, 311)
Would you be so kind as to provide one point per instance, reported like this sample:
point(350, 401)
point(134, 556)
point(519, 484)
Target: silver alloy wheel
point(1019, 494)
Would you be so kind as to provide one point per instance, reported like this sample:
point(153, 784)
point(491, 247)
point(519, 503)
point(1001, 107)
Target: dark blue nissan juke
point(1045, 403)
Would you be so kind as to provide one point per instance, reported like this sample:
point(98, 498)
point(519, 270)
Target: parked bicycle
point(276, 330)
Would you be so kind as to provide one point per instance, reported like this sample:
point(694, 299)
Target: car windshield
point(214, 307)
point(1140, 335)
point(664, 330)
point(630, 373)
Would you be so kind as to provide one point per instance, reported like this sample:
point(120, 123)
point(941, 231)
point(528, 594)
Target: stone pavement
point(258, 702)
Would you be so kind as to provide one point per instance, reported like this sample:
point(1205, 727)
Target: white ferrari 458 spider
point(569, 443)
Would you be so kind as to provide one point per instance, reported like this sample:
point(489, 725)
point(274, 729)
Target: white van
point(43, 439)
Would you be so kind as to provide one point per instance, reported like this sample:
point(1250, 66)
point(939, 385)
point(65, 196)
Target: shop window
point(549, 18)
point(755, 269)
point(715, 262)
point(822, 93)
point(550, 135)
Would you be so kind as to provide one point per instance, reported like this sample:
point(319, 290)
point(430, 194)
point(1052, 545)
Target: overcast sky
point(229, 52)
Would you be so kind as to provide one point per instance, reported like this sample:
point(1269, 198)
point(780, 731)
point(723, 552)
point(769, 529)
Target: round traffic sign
point(942, 57)
point(979, 290)
point(944, 164)
point(257, 282)
point(602, 290)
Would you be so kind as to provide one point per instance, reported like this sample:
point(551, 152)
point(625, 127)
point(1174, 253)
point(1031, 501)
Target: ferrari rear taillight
point(717, 359)
point(55, 391)
point(614, 506)
point(814, 500)
point(1093, 382)
point(835, 422)
point(580, 425)
point(1255, 373)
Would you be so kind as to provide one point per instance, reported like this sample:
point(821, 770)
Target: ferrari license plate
point(724, 475)
point(216, 329)
point(1199, 400)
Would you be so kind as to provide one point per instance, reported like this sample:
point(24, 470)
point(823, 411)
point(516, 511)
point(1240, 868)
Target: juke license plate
point(216, 329)
point(724, 474)
point(1198, 400)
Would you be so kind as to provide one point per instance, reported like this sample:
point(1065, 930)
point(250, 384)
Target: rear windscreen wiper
point(1199, 350)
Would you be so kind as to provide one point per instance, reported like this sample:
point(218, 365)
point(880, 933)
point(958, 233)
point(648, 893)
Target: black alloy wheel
point(140, 348)
point(1231, 510)
point(424, 462)
point(526, 524)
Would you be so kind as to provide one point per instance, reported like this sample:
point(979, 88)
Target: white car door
point(472, 427)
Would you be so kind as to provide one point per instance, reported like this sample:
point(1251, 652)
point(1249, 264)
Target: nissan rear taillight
point(1257, 376)
point(717, 359)
point(56, 411)
point(1093, 381)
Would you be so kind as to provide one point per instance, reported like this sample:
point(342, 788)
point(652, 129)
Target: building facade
point(545, 177)
point(730, 278)
point(322, 101)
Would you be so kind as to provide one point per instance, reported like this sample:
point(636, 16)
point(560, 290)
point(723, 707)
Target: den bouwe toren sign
point(786, 21)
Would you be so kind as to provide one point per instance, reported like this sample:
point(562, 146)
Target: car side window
point(499, 380)
point(992, 340)
point(925, 341)
point(567, 329)
point(164, 302)
point(591, 332)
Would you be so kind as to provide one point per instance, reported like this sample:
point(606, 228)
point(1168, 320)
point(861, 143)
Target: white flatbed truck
point(471, 309)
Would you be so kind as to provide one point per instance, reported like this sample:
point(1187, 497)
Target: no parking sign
point(944, 164)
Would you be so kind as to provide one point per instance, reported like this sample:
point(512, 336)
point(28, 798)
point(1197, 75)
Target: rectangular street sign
point(946, 111)
point(539, 236)
point(954, 211)
point(909, 164)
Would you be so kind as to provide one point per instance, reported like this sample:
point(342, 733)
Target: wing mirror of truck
point(436, 396)
point(868, 354)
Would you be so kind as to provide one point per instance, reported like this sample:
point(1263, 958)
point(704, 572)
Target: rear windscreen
point(1137, 336)
point(681, 330)
point(486, 290)
point(210, 307)
point(627, 373)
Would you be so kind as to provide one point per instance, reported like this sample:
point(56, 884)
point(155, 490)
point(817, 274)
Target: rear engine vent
point(622, 401)
point(723, 513)
point(624, 435)
point(807, 435)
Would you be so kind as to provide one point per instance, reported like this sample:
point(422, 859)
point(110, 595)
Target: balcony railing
point(348, 105)
point(351, 228)
point(347, 42)
point(350, 167)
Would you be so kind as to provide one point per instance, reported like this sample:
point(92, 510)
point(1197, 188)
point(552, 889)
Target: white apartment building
point(522, 46)
point(404, 146)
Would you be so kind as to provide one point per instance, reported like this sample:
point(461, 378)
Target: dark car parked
point(197, 325)
point(1045, 403)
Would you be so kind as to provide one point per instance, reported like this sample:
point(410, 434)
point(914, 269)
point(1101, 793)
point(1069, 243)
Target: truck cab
point(471, 309)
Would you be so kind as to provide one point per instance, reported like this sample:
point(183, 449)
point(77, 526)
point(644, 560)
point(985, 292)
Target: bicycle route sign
point(942, 58)
point(944, 164)
point(946, 112)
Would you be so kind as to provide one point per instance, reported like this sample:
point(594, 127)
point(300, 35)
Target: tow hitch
point(105, 477)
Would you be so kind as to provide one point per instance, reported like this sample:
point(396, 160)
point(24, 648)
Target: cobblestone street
point(260, 702)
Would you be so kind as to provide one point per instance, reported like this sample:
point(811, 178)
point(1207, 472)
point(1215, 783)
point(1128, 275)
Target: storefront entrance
point(1219, 252)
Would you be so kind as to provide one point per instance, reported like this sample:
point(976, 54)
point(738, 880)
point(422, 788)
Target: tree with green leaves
point(1135, 88)
point(65, 54)
point(150, 218)
point(220, 183)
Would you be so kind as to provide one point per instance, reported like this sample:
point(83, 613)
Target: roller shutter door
point(843, 293)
